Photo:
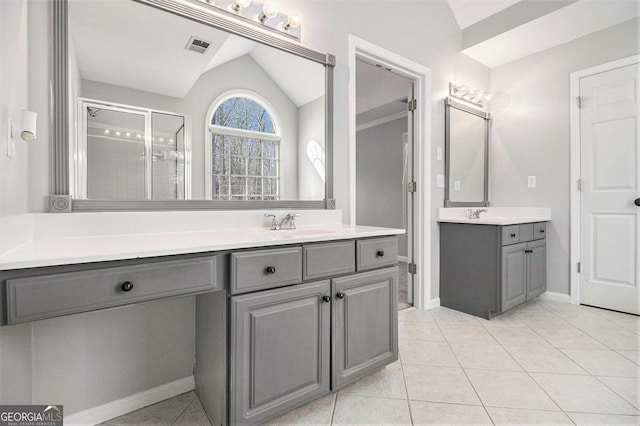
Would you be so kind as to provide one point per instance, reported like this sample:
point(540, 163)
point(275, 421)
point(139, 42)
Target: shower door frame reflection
point(81, 159)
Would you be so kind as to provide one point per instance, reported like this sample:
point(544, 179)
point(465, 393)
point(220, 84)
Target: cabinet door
point(514, 276)
point(536, 268)
point(280, 347)
point(365, 324)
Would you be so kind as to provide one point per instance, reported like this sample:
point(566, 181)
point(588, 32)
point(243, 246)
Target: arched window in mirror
point(245, 147)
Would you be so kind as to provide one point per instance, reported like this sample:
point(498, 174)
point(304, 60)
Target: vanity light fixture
point(264, 13)
point(27, 132)
point(269, 10)
point(238, 5)
point(465, 93)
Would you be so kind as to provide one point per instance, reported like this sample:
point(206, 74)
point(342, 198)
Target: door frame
point(574, 92)
point(421, 76)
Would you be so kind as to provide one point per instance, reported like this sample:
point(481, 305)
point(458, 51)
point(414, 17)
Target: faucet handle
point(274, 224)
point(291, 217)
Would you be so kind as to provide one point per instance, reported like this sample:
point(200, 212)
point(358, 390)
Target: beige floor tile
point(516, 416)
point(535, 305)
point(427, 352)
point(490, 356)
point(518, 337)
point(388, 383)
point(603, 362)
point(627, 321)
point(544, 360)
point(569, 338)
point(449, 316)
point(162, 413)
point(582, 394)
point(316, 412)
point(419, 331)
point(540, 319)
point(603, 419)
point(618, 339)
point(194, 415)
point(358, 409)
point(631, 355)
point(466, 333)
point(415, 315)
point(509, 389)
point(505, 320)
point(586, 322)
point(426, 413)
point(439, 384)
point(627, 387)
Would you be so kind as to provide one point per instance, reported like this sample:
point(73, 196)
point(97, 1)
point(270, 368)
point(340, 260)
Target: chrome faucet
point(277, 225)
point(475, 213)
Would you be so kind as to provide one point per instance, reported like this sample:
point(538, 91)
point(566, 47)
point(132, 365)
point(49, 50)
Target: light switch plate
point(439, 154)
point(531, 181)
point(440, 181)
point(456, 185)
point(11, 144)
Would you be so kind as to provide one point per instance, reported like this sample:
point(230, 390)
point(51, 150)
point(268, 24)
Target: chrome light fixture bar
point(264, 13)
point(465, 93)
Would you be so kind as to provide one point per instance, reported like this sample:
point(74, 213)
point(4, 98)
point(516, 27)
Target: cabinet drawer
point(324, 260)
point(46, 296)
point(539, 230)
point(510, 234)
point(262, 269)
point(376, 252)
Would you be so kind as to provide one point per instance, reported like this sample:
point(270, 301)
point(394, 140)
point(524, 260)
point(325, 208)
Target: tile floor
point(544, 363)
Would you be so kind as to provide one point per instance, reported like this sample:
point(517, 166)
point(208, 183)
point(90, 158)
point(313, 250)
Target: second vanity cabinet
point(306, 320)
point(486, 270)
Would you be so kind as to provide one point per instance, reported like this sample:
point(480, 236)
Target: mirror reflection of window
point(245, 151)
point(315, 153)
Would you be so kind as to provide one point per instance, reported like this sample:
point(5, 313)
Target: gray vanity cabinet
point(365, 324)
point(280, 349)
point(486, 270)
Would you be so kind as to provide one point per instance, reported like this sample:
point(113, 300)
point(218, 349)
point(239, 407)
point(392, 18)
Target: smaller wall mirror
point(467, 155)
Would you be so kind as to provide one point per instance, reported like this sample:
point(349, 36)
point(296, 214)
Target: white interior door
point(609, 219)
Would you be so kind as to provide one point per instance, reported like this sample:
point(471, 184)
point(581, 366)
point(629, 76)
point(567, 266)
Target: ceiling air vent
point(197, 45)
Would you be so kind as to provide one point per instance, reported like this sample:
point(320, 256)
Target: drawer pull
point(528, 251)
point(326, 299)
point(340, 295)
point(542, 231)
point(270, 270)
point(126, 286)
point(380, 253)
point(513, 235)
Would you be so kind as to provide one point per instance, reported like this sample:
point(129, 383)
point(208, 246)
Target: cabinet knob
point(270, 270)
point(380, 253)
point(513, 235)
point(528, 251)
point(126, 286)
point(326, 299)
point(637, 202)
point(340, 295)
point(542, 231)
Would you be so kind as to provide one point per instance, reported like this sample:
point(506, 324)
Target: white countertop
point(65, 251)
point(496, 215)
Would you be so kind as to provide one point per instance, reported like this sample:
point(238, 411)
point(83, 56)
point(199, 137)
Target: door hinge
point(412, 187)
point(579, 101)
point(412, 268)
point(579, 184)
point(579, 267)
point(412, 105)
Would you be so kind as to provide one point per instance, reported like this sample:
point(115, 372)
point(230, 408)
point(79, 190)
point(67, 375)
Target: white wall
point(310, 184)
point(531, 132)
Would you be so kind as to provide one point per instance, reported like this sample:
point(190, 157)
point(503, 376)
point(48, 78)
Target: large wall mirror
point(467, 155)
point(175, 105)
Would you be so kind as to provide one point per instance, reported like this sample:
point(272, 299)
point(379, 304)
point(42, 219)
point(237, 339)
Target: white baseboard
point(116, 408)
point(434, 303)
point(404, 259)
point(556, 297)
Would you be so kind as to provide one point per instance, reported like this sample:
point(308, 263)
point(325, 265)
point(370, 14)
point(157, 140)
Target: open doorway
point(384, 160)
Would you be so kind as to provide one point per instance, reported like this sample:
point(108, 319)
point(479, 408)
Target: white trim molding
point(421, 76)
point(555, 297)
point(574, 92)
point(104, 412)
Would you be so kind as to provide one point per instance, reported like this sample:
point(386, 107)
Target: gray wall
point(531, 132)
point(379, 186)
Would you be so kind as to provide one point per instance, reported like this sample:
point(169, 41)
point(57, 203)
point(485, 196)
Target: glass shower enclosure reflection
point(129, 153)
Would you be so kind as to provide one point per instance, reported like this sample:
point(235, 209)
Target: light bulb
point(293, 21)
point(269, 10)
point(239, 4)
point(106, 132)
point(118, 133)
